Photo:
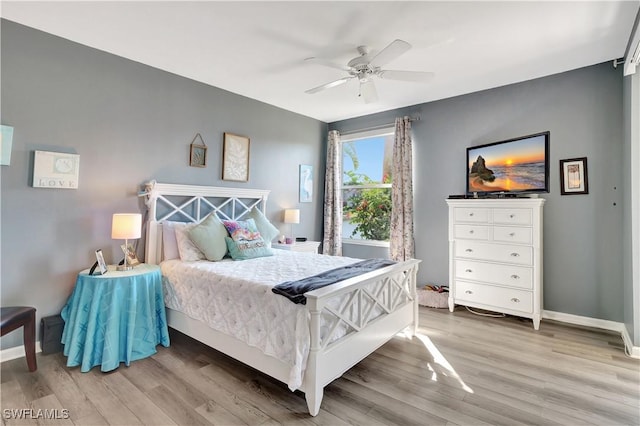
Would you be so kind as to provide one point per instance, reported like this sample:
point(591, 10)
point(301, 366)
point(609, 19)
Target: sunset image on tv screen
point(517, 165)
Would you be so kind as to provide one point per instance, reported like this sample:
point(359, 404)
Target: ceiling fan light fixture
point(364, 68)
point(368, 92)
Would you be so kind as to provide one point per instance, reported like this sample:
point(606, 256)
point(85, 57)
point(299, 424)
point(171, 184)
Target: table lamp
point(126, 226)
point(291, 216)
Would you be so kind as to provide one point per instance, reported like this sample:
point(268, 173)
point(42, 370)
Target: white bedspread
point(235, 297)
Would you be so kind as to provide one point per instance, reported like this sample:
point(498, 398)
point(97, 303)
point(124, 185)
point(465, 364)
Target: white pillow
point(169, 242)
point(188, 251)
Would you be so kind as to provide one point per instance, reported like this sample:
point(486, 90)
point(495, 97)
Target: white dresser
point(495, 255)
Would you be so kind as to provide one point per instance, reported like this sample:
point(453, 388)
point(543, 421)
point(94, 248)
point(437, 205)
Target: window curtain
point(401, 245)
point(332, 240)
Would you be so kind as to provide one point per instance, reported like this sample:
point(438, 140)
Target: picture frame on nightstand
point(100, 265)
point(130, 252)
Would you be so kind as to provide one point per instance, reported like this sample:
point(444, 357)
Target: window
point(366, 187)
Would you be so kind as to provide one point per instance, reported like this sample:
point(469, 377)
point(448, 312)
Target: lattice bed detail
point(358, 308)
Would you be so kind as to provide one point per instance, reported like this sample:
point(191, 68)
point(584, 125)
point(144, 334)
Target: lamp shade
point(292, 216)
point(126, 226)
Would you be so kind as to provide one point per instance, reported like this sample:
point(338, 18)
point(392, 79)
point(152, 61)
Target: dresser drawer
point(513, 234)
point(513, 216)
point(498, 297)
point(509, 275)
point(471, 232)
point(471, 214)
point(505, 253)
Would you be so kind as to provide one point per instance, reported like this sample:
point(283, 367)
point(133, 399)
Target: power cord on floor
point(486, 314)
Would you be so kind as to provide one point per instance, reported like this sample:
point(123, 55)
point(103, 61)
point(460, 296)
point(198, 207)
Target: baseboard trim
point(618, 327)
point(632, 351)
point(16, 352)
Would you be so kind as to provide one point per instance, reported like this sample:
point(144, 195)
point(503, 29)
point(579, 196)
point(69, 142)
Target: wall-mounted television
point(518, 165)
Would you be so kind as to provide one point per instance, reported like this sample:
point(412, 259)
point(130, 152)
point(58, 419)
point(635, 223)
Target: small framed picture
point(198, 157)
point(130, 252)
point(573, 176)
point(198, 153)
point(102, 266)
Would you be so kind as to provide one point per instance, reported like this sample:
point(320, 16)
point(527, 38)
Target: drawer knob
point(515, 254)
point(512, 234)
point(471, 231)
point(468, 292)
point(515, 277)
point(468, 270)
point(469, 251)
point(515, 299)
point(512, 216)
point(471, 214)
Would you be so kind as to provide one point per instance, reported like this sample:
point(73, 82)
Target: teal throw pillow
point(209, 237)
point(243, 249)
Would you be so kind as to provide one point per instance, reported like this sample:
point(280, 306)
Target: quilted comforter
point(235, 297)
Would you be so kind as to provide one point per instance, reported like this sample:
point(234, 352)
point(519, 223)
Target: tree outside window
point(366, 186)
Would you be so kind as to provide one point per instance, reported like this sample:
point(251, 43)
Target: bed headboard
point(192, 203)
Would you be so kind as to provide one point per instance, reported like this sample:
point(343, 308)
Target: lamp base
point(124, 268)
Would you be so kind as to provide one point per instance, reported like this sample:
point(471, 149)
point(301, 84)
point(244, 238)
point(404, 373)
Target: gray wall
point(582, 109)
point(129, 123)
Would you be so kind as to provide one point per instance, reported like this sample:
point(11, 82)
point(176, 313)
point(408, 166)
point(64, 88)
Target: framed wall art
point(55, 170)
point(6, 140)
point(573, 176)
point(306, 183)
point(235, 158)
point(198, 152)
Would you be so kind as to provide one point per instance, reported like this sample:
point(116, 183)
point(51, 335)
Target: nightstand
point(113, 318)
point(305, 246)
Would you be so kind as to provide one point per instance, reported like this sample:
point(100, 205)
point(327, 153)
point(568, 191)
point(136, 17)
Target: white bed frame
point(394, 292)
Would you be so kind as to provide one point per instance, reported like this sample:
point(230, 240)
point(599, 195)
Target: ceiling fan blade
point(324, 62)
point(368, 92)
point(417, 76)
point(328, 85)
point(393, 50)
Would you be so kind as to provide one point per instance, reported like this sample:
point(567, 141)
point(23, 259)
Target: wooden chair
point(14, 317)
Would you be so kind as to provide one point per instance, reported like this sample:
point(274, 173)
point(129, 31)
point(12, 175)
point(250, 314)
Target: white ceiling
point(257, 49)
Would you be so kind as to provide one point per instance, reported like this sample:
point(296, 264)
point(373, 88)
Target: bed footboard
point(373, 307)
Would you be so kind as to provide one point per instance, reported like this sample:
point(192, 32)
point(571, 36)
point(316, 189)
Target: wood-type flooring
point(461, 369)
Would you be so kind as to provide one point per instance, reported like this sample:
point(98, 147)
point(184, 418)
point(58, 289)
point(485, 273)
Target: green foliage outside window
point(368, 209)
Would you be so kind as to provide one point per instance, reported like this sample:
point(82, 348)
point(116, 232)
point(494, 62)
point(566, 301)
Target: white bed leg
point(314, 398)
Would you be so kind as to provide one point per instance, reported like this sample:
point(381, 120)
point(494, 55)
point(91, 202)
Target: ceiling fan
point(365, 67)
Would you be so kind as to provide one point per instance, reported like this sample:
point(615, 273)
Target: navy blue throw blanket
point(295, 290)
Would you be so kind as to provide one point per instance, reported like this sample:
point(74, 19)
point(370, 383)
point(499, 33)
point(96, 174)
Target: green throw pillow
point(266, 228)
point(209, 237)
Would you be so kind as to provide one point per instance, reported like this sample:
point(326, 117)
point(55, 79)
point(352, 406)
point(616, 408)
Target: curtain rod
point(379, 126)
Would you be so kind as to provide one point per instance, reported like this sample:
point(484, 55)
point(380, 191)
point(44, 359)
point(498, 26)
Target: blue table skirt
point(113, 318)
